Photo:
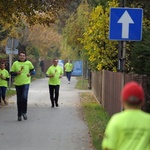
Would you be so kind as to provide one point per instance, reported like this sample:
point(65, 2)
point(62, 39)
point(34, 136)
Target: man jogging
point(22, 69)
point(54, 73)
point(68, 69)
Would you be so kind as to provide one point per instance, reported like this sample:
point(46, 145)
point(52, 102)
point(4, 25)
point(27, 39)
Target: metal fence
point(107, 85)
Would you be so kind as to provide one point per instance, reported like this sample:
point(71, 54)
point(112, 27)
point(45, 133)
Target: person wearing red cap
point(129, 129)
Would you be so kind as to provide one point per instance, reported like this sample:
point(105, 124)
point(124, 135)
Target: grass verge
point(82, 84)
point(95, 116)
point(10, 92)
point(93, 113)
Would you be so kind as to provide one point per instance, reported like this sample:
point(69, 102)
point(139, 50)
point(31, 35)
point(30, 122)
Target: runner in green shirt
point(4, 77)
point(68, 69)
point(22, 69)
point(54, 73)
point(130, 129)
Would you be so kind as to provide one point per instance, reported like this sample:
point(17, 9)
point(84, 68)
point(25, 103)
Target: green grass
point(93, 113)
point(10, 92)
point(96, 118)
point(82, 84)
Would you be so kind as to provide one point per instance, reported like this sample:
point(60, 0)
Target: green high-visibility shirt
point(25, 68)
point(128, 130)
point(56, 71)
point(68, 67)
point(5, 74)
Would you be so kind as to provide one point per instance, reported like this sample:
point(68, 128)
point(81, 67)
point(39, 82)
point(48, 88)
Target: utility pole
point(122, 47)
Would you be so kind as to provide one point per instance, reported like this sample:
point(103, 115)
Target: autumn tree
point(145, 4)
point(74, 29)
point(22, 14)
point(36, 11)
point(64, 14)
point(138, 52)
point(44, 38)
point(101, 52)
point(96, 3)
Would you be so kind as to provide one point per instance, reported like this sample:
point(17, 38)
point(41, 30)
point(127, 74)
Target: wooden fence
point(107, 85)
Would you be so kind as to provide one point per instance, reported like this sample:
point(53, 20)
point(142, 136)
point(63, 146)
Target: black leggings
point(54, 93)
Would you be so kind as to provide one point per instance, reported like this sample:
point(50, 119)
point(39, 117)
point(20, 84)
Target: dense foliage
point(100, 52)
point(35, 11)
point(140, 54)
point(81, 31)
point(74, 29)
point(96, 3)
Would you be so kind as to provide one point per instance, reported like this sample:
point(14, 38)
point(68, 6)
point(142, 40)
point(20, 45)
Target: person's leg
point(4, 94)
point(19, 93)
point(51, 92)
point(67, 76)
point(25, 100)
point(56, 94)
point(0, 94)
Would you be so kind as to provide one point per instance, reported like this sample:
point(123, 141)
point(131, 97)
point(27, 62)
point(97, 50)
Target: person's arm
point(31, 69)
point(4, 78)
point(49, 76)
point(49, 73)
point(32, 72)
point(65, 67)
point(15, 73)
point(60, 76)
point(111, 135)
point(61, 73)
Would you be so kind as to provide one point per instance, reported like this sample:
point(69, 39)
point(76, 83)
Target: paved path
point(46, 128)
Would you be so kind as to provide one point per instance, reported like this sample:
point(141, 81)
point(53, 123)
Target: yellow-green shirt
point(26, 66)
point(56, 71)
point(68, 67)
point(5, 74)
point(128, 130)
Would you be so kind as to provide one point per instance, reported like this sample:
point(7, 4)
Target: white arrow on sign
point(125, 19)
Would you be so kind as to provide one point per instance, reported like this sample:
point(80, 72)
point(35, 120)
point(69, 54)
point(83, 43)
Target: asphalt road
point(47, 128)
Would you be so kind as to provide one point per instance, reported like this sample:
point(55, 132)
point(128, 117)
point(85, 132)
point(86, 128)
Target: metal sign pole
point(11, 48)
point(122, 54)
point(123, 44)
point(122, 47)
point(10, 59)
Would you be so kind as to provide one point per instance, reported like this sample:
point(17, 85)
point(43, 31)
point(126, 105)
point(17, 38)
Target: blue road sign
point(125, 24)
